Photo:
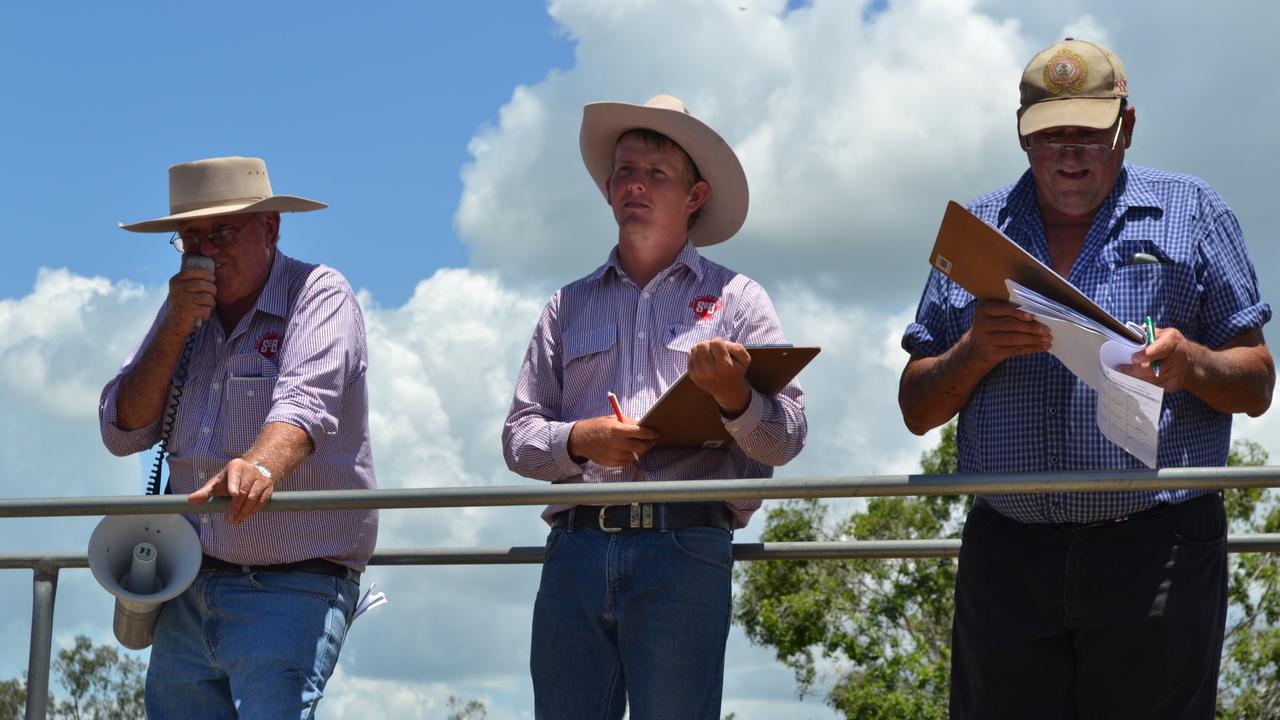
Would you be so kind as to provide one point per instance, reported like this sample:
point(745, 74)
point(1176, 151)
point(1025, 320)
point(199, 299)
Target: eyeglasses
point(219, 236)
point(1041, 147)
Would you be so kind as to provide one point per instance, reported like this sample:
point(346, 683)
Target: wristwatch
point(262, 469)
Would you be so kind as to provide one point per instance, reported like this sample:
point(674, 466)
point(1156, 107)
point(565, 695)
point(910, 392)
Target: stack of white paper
point(1128, 408)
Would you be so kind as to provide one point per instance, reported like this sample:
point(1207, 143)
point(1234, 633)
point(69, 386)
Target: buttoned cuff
point(750, 418)
point(560, 450)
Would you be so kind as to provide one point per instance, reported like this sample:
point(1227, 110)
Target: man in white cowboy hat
point(253, 376)
point(1108, 605)
point(633, 607)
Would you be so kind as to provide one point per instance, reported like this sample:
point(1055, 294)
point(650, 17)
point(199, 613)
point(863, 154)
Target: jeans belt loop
point(662, 518)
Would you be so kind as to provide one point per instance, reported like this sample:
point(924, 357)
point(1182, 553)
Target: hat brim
point(725, 210)
point(1096, 113)
point(275, 203)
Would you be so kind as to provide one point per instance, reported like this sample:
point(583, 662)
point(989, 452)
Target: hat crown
point(1073, 68)
point(217, 181)
point(668, 102)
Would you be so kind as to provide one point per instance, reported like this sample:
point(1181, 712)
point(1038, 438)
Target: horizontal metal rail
point(47, 565)
point(532, 555)
point(675, 491)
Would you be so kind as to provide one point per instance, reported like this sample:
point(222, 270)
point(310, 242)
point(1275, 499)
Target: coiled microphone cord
point(170, 415)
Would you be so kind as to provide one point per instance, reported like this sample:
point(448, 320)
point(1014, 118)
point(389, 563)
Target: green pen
point(1151, 339)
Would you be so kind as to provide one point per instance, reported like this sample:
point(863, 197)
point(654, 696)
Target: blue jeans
point(639, 617)
point(248, 645)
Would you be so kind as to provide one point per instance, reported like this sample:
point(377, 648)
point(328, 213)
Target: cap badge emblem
point(1065, 72)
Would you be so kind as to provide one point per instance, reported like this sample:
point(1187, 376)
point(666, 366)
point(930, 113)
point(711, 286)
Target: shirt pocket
point(246, 402)
point(589, 355)
point(1167, 291)
point(678, 339)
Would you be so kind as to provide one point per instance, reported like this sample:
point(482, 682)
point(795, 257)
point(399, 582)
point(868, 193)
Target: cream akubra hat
point(220, 186)
point(725, 211)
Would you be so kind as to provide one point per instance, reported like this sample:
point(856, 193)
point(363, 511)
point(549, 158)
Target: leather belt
point(315, 566)
point(644, 516)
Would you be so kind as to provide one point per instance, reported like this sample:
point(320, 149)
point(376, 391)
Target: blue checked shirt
point(603, 333)
point(1031, 413)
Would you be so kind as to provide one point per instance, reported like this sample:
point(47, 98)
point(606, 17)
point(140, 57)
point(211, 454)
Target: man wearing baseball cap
point(1108, 605)
point(633, 606)
point(252, 377)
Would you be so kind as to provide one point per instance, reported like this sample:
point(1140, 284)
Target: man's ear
point(699, 194)
point(1126, 126)
point(272, 219)
point(608, 191)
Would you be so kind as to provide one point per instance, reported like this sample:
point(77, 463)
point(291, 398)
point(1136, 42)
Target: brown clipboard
point(980, 258)
point(686, 415)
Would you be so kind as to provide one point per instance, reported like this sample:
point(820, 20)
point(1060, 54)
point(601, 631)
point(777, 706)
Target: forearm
point(772, 429)
point(1233, 379)
point(144, 388)
point(538, 448)
point(281, 447)
point(933, 389)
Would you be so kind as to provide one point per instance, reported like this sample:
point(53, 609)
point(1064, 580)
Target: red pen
point(613, 400)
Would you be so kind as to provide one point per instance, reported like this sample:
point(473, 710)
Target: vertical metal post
point(44, 589)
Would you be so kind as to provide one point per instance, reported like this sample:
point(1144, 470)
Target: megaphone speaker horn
point(143, 560)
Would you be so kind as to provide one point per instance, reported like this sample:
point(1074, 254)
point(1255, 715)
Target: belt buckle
point(601, 524)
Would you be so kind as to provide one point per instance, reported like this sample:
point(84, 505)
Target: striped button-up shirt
point(603, 333)
point(298, 357)
point(1031, 413)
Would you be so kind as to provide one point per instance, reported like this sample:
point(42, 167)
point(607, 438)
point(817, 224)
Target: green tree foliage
point(885, 625)
point(466, 710)
point(879, 631)
point(101, 684)
point(1250, 681)
point(13, 699)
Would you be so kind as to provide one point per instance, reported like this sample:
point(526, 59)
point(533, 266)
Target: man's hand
point(191, 297)
point(248, 489)
point(1000, 331)
point(1176, 354)
point(605, 441)
point(720, 367)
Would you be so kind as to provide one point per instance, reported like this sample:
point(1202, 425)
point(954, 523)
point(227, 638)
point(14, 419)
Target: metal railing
point(45, 567)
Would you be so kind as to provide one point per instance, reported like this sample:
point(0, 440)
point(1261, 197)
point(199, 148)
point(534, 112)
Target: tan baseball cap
point(1071, 83)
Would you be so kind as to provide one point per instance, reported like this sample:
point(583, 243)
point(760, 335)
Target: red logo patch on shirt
point(269, 344)
point(705, 306)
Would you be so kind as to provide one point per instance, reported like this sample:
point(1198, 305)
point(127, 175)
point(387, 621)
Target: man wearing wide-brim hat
point(252, 378)
point(1104, 604)
point(633, 606)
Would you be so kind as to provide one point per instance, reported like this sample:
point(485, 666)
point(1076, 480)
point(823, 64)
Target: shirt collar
point(1131, 191)
point(273, 298)
point(688, 257)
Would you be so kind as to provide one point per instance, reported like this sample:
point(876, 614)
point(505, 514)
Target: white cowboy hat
point(725, 211)
point(220, 186)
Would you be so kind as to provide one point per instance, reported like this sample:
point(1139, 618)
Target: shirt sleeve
point(535, 441)
point(1230, 302)
point(324, 351)
point(121, 442)
point(773, 428)
point(933, 331)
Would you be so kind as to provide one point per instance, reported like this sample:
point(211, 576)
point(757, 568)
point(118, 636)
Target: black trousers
point(1111, 620)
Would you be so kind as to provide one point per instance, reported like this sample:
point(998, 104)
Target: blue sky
point(444, 138)
point(368, 107)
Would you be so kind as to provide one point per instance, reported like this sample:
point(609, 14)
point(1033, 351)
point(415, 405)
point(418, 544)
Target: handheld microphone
point(204, 262)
